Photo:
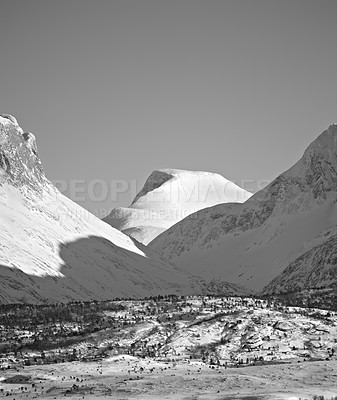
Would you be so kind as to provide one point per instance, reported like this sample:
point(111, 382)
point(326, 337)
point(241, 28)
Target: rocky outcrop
point(19, 161)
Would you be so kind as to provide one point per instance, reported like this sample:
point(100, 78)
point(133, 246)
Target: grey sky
point(115, 89)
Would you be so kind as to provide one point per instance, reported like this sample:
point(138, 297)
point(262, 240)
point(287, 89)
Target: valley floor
point(195, 348)
point(127, 377)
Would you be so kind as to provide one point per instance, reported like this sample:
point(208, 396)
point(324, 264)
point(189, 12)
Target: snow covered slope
point(252, 243)
point(315, 267)
point(168, 196)
point(51, 248)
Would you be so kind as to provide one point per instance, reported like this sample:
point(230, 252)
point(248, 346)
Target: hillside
point(252, 243)
point(51, 249)
point(313, 268)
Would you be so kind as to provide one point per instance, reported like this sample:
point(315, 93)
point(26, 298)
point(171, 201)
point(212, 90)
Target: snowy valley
point(236, 300)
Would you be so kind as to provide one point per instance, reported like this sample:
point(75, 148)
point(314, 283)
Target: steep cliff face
point(19, 161)
point(251, 243)
point(170, 195)
point(52, 249)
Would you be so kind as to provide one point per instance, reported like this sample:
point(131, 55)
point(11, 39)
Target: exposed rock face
point(251, 243)
point(31, 142)
point(19, 160)
point(170, 195)
point(154, 181)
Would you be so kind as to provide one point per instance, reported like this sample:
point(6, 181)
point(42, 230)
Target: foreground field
point(127, 377)
point(195, 348)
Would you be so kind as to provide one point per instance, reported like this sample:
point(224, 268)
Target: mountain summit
point(19, 161)
point(170, 195)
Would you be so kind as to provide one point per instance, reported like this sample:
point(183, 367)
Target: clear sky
point(114, 89)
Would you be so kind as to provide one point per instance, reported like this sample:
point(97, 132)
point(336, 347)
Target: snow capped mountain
point(252, 243)
point(51, 248)
point(168, 196)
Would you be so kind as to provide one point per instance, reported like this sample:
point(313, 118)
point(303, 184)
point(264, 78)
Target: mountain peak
point(155, 180)
point(320, 162)
point(326, 141)
point(159, 177)
point(19, 161)
point(9, 119)
point(169, 195)
point(313, 176)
